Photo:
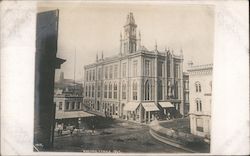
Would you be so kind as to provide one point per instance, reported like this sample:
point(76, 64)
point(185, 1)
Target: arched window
point(115, 91)
point(147, 90)
point(110, 90)
point(198, 105)
point(93, 90)
point(86, 90)
point(176, 90)
point(89, 90)
point(123, 90)
point(105, 90)
point(99, 90)
point(197, 86)
point(160, 90)
point(147, 68)
point(134, 90)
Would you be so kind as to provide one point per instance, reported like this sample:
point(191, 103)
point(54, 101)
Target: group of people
point(60, 129)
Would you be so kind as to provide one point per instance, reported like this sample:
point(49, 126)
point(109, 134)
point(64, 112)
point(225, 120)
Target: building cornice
point(116, 58)
point(200, 67)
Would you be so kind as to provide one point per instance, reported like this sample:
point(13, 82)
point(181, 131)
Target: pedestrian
point(71, 130)
point(169, 116)
point(60, 129)
point(58, 132)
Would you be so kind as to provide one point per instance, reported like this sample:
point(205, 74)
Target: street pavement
point(121, 137)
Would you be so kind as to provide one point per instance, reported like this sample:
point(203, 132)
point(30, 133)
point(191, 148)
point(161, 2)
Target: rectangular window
point(106, 73)
point(135, 91)
point(87, 75)
point(99, 91)
point(147, 67)
point(89, 91)
point(93, 91)
point(60, 105)
point(110, 90)
point(124, 91)
point(105, 90)
point(116, 71)
point(99, 74)
point(159, 69)
point(93, 75)
point(168, 68)
point(177, 71)
point(199, 125)
point(110, 72)
point(67, 106)
point(78, 105)
point(124, 69)
point(73, 105)
point(86, 91)
point(135, 68)
point(115, 91)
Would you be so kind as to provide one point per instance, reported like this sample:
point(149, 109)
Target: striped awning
point(131, 106)
point(166, 104)
point(150, 106)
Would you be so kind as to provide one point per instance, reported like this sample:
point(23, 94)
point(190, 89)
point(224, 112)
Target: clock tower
point(129, 41)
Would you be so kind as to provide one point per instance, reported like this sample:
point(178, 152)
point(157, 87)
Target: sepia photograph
point(123, 78)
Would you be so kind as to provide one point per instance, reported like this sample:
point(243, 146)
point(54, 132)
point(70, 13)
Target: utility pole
point(74, 72)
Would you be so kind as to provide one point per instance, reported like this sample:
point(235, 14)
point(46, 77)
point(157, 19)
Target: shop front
point(167, 109)
point(150, 112)
point(132, 112)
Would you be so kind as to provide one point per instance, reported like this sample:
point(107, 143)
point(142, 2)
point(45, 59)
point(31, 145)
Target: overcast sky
point(92, 28)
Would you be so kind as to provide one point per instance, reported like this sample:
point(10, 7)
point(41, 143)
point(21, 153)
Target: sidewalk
point(186, 141)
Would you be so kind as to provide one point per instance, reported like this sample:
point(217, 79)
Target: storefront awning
point(166, 104)
point(131, 106)
point(150, 106)
point(72, 114)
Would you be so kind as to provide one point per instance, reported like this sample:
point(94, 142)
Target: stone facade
point(136, 84)
point(68, 97)
point(200, 85)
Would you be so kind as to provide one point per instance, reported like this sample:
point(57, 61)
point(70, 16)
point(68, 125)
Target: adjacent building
point(186, 93)
point(136, 84)
point(46, 63)
point(200, 86)
point(68, 99)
